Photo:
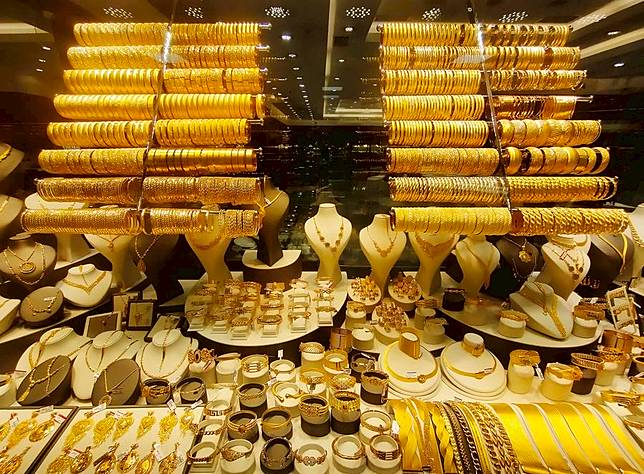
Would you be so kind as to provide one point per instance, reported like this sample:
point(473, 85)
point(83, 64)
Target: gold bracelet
point(313, 406)
point(312, 347)
point(524, 358)
point(568, 372)
point(335, 359)
point(587, 361)
point(254, 363)
point(387, 422)
point(344, 400)
point(409, 342)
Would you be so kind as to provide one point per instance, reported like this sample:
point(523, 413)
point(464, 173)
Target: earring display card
point(141, 314)
point(99, 323)
point(161, 436)
point(164, 322)
point(28, 434)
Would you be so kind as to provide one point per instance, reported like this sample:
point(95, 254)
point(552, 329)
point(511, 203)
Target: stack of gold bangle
point(471, 57)
point(524, 80)
point(308, 406)
point(465, 34)
point(90, 190)
point(430, 81)
point(438, 133)
point(499, 221)
point(563, 160)
point(129, 161)
point(147, 81)
point(534, 107)
point(548, 132)
point(116, 57)
point(433, 107)
point(141, 106)
point(492, 190)
point(444, 161)
point(345, 401)
point(230, 223)
point(106, 34)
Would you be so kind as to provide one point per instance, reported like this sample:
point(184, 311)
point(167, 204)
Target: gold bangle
point(568, 372)
point(385, 428)
point(342, 382)
point(523, 357)
point(313, 406)
point(344, 400)
point(587, 361)
point(335, 359)
point(410, 346)
point(254, 363)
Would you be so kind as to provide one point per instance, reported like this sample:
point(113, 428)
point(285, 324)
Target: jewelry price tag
point(47, 409)
point(395, 428)
point(119, 414)
point(14, 421)
point(158, 452)
point(280, 353)
point(99, 408)
point(538, 371)
point(59, 418)
point(73, 453)
point(171, 405)
point(196, 404)
point(412, 373)
point(347, 370)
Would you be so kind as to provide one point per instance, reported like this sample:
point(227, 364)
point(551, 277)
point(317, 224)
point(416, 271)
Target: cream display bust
point(166, 357)
point(636, 229)
point(85, 285)
point(69, 247)
point(382, 247)
point(431, 250)
point(328, 234)
point(477, 258)
point(27, 262)
point(116, 248)
point(10, 209)
point(105, 348)
point(8, 311)
point(566, 263)
point(210, 248)
point(57, 341)
point(547, 312)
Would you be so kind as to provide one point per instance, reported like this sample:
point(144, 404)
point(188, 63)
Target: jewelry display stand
point(382, 247)
point(69, 247)
point(58, 341)
point(519, 259)
point(328, 235)
point(635, 231)
point(85, 285)
point(166, 357)
point(8, 311)
point(609, 255)
point(42, 307)
point(431, 250)
point(116, 248)
point(210, 248)
point(10, 161)
point(105, 348)
point(269, 249)
point(566, 264)
point(10, 210)
point(547, 312)
point(151, 251)
point(287, 268)
point(477, 258)
point(27, 262)
point(472, 369)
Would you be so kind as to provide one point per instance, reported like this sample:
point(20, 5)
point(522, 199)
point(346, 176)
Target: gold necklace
point(333, 247)
point(169, 463)
point(575, 267)
point(145, 425)
point(484, 266)
point(13, 464)
point(481, 374)
point(431, 250)
point(110, 242)
point(105, 464)
point(636, 236)
point(141, 264)
point(22, 429)
point(37, 381)
point(107, 398)
point(551, 311)
point(87, 287)
point(163, 376)
point(383, 252)
point(103, 428)
point(123, 425)
point(26, 265)
point(26, 269)
point(35, 310)
point(129, 460)
point(98, 369)
point(420, 378)
point(43, 429)
point(621, 253)
point(524, 254)
point(6, 426)
point(41, 347)
point(82, 461)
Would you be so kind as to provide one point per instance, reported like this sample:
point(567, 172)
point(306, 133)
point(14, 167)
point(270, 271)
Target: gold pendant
point(42, 430)
point(169, 463)
point(525, 256)
point(141, 265)
point(21, 430)
point(78, 431)
point(127, 462)
point(123, 425)
point(6, 427)
point(146, 464)
point(103, 428)
point(186, 420)
point(82, 461)
point(13, 464)
point(60, 465)
point(105, 464)
point(145, 425)
point(167, 423)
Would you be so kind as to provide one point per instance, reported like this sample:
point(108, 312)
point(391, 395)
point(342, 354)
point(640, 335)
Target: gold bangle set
point(562, 160)
point(515, 107)
point(443, 161)
point(147, 81)
point(471, 57)
point(491, 190)
point(136, 133)
point(465, 34)
point(231, 223)
point(171, 106)
point(156, 190)
point(116, 57)
point(500, 221)
point(120, 34)
point(433, 107)
point(548, 132)
point(438, 133)
point(429, 81)
point(124, 161)
point(524, 80)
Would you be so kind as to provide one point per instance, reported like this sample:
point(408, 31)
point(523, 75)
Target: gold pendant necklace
point(333, 247)
point(21, 430)
point(82, 461)
point(123, 425)
point(6, 427)
point(551, 311)
point(383, 252)
point(43, 430)
point(129, 461)
point(26, 267)
point(575, 266)
point(78, 431)
point(484, 266)
point(141, 264)
point(524, 253)
point(61, 464)
point(431, 250)
point(166, 426)
point(105, 464)
point(103, 428)
point(145, 425)
point(146, 464)
point(110, 242)
point(186, 420)
point(169, 463)
point(13, 464)
point(87, 287)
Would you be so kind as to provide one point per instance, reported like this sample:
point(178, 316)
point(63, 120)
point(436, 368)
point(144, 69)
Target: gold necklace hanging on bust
point(141, 255)
point(333, 247)
point(386, 251)
point(431, 250)
point(87, 287)
point(575, 263)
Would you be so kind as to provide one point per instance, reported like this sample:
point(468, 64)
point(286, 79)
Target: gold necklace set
point(141, 255)
point(431, 250)
point(485, 266)
point(26, 266)
point(86, 287)
point(550, 310)
point(338, 241)
point(386, 251)
point(574, 262)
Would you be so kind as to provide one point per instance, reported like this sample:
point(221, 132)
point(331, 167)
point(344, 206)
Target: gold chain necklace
point(325, 242)
point(163, 376)
point(110, 242)
point(621, 253)
point(552, 311)
point(431, 250)
point(87, 287)
point(41, 347)
point(575, 267)
point(383, 252)
point(636, 236)
point(26, 267)
point(141, 264)
point(36, 381)
point(107, 398)
point(35, 310)
point(4, 204)
point(485, 266)
point(118, 357)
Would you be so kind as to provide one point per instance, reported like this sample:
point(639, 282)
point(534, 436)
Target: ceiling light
point(46, 48)
point(613, 33)
point(336, 78)
point(340, 60)
point(305, 96)
point(118, 13)
point(277, 12)
point(358, 12)
point(299, 78)
point(432, 15)
point(514, 17)
point(292, 55)
point(286, 37)
point(274, 88)
point(195, 12)
point(41, 60)
point(301, 85)
point(296, 68)
point(618, 64)
point(348, 29)
point(38, 69)
point(268, 81)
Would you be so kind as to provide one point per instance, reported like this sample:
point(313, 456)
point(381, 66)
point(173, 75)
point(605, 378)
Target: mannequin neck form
point(382, 247)
point(639, 211)
point(328, 234)
point(538, 291)
point(269, 249)
point(166, 338)
point(107, 339)
point(564, 241)
point(327, 211)
point(440, 245)
point(82, 270)
point(476, 238)
point(556, 272)
point(381, 223)
point(270, 191)
point(21, 241)
point(55, 336)
point(477, 258)
point(210, 251)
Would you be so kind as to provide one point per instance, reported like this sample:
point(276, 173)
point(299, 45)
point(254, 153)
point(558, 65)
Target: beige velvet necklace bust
point(328, 235)
point(382, 246)
point(477, 258)
point(432, 250)
point(566, 263)
point(27, 262)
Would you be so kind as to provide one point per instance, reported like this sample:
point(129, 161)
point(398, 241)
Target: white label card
point(537, 369)
point(280, 353)
point(171, 405)
point(196, 404)
point(99, 408)
point(47, 409)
